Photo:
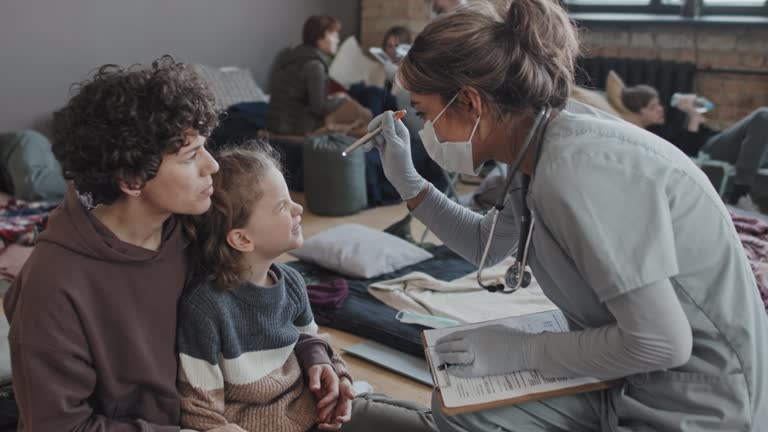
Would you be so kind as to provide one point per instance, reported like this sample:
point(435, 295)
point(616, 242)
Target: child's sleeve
point(313, 348)
point(200, 382)
point(304, 320)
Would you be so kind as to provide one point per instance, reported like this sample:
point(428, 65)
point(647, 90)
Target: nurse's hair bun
point(542, 45)
point(519, 55)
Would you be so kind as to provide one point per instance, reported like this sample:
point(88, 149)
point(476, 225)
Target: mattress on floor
point(364, 316)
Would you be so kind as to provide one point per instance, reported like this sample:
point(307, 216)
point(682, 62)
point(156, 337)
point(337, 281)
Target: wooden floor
point(382, 380)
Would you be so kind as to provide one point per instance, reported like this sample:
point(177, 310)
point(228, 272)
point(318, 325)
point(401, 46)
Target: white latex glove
point(490, 350)
point(394, 145)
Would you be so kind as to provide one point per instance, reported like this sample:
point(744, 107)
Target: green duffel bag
point(334, 185)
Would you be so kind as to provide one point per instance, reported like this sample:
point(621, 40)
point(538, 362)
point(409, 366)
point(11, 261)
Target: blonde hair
point(518, 55)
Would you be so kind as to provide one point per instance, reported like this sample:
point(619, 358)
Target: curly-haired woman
point(93, 312)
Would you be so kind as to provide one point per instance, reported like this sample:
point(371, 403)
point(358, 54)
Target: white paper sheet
point(457, 391)
point(351, 65)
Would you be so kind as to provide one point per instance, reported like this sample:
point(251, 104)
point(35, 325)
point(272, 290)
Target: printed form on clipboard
point(460, 395)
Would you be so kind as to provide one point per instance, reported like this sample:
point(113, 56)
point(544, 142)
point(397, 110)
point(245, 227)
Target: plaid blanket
point(20, 221)
point(753, 234)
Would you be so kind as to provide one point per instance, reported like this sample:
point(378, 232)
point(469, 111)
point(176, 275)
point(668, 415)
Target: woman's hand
point(394, 145)
point(490, 350)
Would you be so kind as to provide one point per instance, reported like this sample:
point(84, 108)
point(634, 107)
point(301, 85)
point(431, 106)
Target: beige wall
point(379, 15)
point(46, 45)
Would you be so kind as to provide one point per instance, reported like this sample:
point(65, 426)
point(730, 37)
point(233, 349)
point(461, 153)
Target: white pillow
point(360, 252)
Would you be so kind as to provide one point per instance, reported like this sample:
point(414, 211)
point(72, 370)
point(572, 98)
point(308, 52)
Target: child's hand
point(324, 384)
point(342, 412)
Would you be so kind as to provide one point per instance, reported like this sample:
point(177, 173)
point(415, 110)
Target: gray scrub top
point(617, 208)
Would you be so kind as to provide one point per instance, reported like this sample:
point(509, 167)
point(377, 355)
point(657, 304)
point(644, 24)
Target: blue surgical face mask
point(451, 156)
point(425, 320)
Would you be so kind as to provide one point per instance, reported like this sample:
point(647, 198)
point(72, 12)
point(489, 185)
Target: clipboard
point(549, 388)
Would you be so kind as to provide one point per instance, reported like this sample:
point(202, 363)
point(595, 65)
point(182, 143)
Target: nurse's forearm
point(652, 333)
point(415, 201)
point(463, 230)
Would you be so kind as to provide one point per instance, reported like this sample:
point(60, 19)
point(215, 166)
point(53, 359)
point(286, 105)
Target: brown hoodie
point(93, 327)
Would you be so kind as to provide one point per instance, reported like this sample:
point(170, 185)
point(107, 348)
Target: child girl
point(240, 321)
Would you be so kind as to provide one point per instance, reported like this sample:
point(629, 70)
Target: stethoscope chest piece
point(512, 276)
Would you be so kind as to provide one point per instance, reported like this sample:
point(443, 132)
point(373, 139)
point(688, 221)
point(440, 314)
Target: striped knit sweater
point(237, 366)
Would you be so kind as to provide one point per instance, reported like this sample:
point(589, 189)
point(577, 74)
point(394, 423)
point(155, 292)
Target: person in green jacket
point(299, 86)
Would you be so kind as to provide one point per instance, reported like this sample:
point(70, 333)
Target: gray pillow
point(360, 252)
point(28, 169)
point(230, 85)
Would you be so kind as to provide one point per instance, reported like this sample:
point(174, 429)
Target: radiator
point(667, 77)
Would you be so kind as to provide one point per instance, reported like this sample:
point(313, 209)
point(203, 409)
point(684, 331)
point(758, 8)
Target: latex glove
point(490, 350)
point(394, 145)
point(343, 411)
point(324, 384)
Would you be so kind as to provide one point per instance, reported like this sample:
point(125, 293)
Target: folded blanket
point(20, 220)
point(328, 295)
point(461, 299)
point(753, 233)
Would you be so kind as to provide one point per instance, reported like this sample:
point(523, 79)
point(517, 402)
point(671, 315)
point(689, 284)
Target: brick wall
point(727, 47)
point(379, 15)
point(724, 47)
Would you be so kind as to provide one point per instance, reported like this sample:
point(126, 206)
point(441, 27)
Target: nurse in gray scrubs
point(628, 237)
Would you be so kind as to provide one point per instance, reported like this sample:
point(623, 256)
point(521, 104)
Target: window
point(734, 3)
point(610, 2)
point(672, 7)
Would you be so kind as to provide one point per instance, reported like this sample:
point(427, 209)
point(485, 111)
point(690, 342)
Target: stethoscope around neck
point(517, 276)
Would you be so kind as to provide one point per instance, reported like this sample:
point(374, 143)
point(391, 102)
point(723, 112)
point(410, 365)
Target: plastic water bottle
point(700, 104)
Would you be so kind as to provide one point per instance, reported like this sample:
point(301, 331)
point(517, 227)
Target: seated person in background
point(299, 87)
point(245, 315)
point(393, 38)
point(744, 144)
point(444, 6)
point(28, 170)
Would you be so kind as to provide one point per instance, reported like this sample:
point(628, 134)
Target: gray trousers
point(743, 145)
point(379, 413)
point(577, 413)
